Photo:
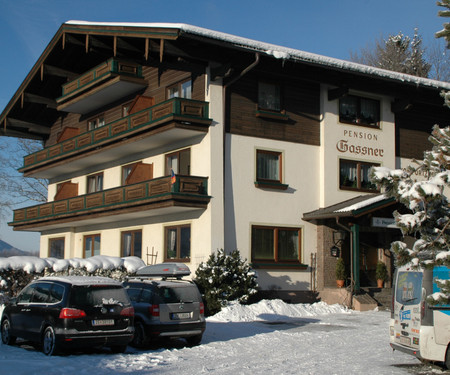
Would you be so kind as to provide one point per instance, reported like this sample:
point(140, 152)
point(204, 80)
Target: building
point(169, 141)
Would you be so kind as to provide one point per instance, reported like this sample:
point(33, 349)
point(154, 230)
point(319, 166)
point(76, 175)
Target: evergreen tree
point(225, 277)
point(445, 32)
point(398, 53)
point(429, 220)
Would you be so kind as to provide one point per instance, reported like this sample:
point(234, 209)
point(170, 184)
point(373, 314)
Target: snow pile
point(274, 311)
point(32, 264)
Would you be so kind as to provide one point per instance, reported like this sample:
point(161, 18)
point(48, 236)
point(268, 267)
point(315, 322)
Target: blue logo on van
point(405, 315)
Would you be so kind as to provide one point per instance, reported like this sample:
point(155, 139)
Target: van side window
point(41, 293)
point(147, 296)
point(56, 293)
point(25, 295)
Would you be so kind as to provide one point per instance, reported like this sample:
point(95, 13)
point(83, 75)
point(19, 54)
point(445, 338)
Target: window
point(126, 109)
point(131, 244)
point(96, 122)
point(179, 162)
point(126, 170)
point(276, 244)
point(95, 183)
point(180, 90)
point(268, 166)
point(56, 248)
point(361, 111)
point(178, 243)
point(269, 96)
point(354, 175)
point(91, 245)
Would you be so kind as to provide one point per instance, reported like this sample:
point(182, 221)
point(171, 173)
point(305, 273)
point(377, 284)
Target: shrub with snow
point(225, 277)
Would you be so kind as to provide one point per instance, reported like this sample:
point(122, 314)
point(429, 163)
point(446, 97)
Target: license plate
point(405, 341)
point(103, 322)
point(179, 316)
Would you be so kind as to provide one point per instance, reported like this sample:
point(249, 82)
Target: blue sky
point(327, 27)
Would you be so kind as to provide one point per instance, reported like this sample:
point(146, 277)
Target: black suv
point(70, 311)
point(167, 307)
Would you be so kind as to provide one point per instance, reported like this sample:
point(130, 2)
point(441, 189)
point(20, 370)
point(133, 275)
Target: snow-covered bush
point(225, 277)
point(17, 271)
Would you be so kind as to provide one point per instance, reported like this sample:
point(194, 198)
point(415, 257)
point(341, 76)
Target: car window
point(25, 294)
point(41, 293)
point(98, 295)
point(147, 296)
point(134, 294)
point(56, 293)
point(174, 295)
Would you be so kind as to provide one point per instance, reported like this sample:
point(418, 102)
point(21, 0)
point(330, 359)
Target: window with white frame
point(268, 166)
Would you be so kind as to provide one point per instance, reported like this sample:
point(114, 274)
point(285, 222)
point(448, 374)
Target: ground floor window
point(91, 245)
point(56, 248)
point(276, 244)
point(131, 243)
point(178, 243)
point(354, 175)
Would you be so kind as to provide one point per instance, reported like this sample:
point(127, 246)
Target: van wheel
point(49, 345)
point(139, 338)
point(7, 338)
point(118, 349)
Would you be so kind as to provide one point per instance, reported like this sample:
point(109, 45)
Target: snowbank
point(274, 311)
point(32, 264)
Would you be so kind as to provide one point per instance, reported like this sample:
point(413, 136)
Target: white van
point(417, 328)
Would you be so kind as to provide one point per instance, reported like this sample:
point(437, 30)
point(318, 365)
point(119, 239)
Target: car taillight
point(202, 308)
point(154, 310)
point(68, 313)
point(127, 311)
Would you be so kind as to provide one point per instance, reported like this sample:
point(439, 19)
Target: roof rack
point(164, 270)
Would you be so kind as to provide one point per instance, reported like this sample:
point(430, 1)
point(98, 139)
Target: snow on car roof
point(82, 280)
point(278, 52)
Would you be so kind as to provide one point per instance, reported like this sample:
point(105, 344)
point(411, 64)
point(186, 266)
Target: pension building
point(170, 141)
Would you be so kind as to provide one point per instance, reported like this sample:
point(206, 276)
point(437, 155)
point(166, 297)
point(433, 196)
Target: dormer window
point(96, 122)
point(269, 97)
point(180, 90)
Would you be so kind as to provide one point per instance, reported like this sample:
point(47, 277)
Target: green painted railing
point(187, 110)
point(192, 189)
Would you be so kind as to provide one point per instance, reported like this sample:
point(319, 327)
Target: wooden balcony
point(101, 85)
point(171, 121)
point(145, 199)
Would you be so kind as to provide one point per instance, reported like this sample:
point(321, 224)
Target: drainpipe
point(224, 95)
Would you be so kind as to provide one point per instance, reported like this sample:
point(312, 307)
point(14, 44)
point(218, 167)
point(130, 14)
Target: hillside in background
point(7, 250)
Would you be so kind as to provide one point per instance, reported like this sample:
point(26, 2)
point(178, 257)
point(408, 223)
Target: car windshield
point(177, 294)
point(97, 296)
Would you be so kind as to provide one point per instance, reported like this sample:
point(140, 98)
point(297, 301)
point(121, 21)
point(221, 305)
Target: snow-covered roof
point(350, 207)
point(278, 52)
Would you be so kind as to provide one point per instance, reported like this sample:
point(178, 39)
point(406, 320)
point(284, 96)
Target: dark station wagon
point(166, 306)
point(70, 312)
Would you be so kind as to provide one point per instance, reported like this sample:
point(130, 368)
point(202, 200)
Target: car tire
point(7, 338)
point(49, 344)
point(139, 338)
point(447, 358)
point(118, 349)
point(194, 340)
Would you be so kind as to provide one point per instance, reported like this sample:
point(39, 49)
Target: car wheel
point(118, 348)
point(447, 358)
point(7, 338)
point(49, 345)
point(194, 340)
point(139, 338)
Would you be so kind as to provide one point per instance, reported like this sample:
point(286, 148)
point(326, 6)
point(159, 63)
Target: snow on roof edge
point(363, 204)
point(278, 51)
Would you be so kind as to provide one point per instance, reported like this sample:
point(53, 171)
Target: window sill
point(271, 185)
point(272, 265)
point(280, 116)
point(372, 126)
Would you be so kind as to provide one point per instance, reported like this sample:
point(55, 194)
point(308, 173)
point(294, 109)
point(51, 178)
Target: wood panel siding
point(300, 102)
point(413, 128)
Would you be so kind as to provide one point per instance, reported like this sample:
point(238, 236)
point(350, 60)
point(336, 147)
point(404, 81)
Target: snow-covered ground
point(269, 337)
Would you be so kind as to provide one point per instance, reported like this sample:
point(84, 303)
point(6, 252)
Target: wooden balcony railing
point(177, 109)
point(186, 190)
point(97, 75)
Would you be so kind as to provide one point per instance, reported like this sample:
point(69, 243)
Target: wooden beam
point(161, 50)
point(21, 99)
point(42, 72)
point(58, 72)
point(64, 40)
point(147, 48)
point(41, 129)
point(337, 93)
point(33, 98)
point(115, 46)
point(87, 43)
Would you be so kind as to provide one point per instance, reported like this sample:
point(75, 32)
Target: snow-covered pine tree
point(429, 220)
point(225, 277)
